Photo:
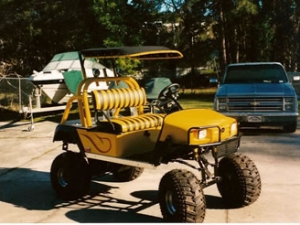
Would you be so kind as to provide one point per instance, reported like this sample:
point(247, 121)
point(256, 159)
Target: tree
point(32, 32)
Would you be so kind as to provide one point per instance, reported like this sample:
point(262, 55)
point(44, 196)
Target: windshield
point(270, 73)
point(63, 61)
point(70, 61)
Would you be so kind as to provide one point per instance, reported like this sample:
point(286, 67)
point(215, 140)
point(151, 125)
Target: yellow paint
point(123, 145)
point(177, 124)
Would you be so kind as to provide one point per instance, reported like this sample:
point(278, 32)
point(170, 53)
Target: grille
point(228, 147)
point(255, 104)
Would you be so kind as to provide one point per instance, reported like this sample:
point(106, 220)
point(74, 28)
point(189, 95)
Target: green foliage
point(31, 31)
point(245, 7)
point(127, 66)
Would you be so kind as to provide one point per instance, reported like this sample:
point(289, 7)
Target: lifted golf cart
point(111, 141)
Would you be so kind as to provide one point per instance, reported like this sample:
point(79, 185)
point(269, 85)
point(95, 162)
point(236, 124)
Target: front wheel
point(181, 197)
point(240, 180)
point(70, 175)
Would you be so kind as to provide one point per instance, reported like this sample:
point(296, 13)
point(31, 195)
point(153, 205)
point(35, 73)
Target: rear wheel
point(70, 175)
point(128, 173)
point(240, 180)
point(181, 197)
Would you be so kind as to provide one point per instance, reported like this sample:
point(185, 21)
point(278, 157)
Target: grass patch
point(192, 103)
point(197, 98)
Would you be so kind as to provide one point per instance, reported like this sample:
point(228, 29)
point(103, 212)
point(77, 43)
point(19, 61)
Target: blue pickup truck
point(258, 94)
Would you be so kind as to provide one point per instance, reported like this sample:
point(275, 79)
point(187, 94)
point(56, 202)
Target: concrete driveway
point(26, 195)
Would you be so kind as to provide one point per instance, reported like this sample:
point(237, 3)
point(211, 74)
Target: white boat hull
point(51, 80)
point(55, 92)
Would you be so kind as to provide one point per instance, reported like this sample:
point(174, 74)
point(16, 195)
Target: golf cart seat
point(110, 102)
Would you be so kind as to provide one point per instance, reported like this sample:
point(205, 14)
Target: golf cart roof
point(136, 52)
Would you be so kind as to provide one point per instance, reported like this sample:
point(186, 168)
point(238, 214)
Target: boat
point(52, 79)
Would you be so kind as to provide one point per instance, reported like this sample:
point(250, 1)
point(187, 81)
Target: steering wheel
point(168, 98)
point(169, 93)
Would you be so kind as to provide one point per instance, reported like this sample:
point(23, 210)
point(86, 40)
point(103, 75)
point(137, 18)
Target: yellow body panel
point(123, 145)
point(177, 124)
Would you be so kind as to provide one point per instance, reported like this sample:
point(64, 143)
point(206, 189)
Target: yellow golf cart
point(119, 132)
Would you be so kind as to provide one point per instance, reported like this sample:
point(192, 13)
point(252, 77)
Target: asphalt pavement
point(26, 195)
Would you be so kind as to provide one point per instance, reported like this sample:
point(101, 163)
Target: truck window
point(255, 74)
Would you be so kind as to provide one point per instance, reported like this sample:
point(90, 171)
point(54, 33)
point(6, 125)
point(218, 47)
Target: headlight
point(222, 104)
point(202, 134)
point(233, 128)
point(289, 104)
point(291, 100)
point(222, 107)
point(199, 134)
point(222, 100)
point(289, 108)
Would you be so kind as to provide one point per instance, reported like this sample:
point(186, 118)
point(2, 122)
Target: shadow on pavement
point(29, 189)
point(10, 124)
point(123, 211)
point(106, 208)
point(26, 188)
point(214, 202)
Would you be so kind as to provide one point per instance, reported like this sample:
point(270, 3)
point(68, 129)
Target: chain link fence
point(15, 93)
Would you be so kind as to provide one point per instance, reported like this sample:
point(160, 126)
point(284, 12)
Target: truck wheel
point(70, 175)
point(240, 180)
point(181, 197)
point(128, 173)
point(290, 127)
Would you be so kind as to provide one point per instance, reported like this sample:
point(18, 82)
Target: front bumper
point(227, 147)
point(264, 118)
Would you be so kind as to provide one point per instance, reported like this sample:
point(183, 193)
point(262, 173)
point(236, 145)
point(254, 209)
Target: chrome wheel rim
point(169, 202)
point(61, 179)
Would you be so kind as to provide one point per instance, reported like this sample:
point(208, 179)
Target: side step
point(121, 161)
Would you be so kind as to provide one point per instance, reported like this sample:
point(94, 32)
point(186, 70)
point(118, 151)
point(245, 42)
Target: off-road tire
point(70, 175)
point(128, 173)
point(240, 180)
point(181, 197)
